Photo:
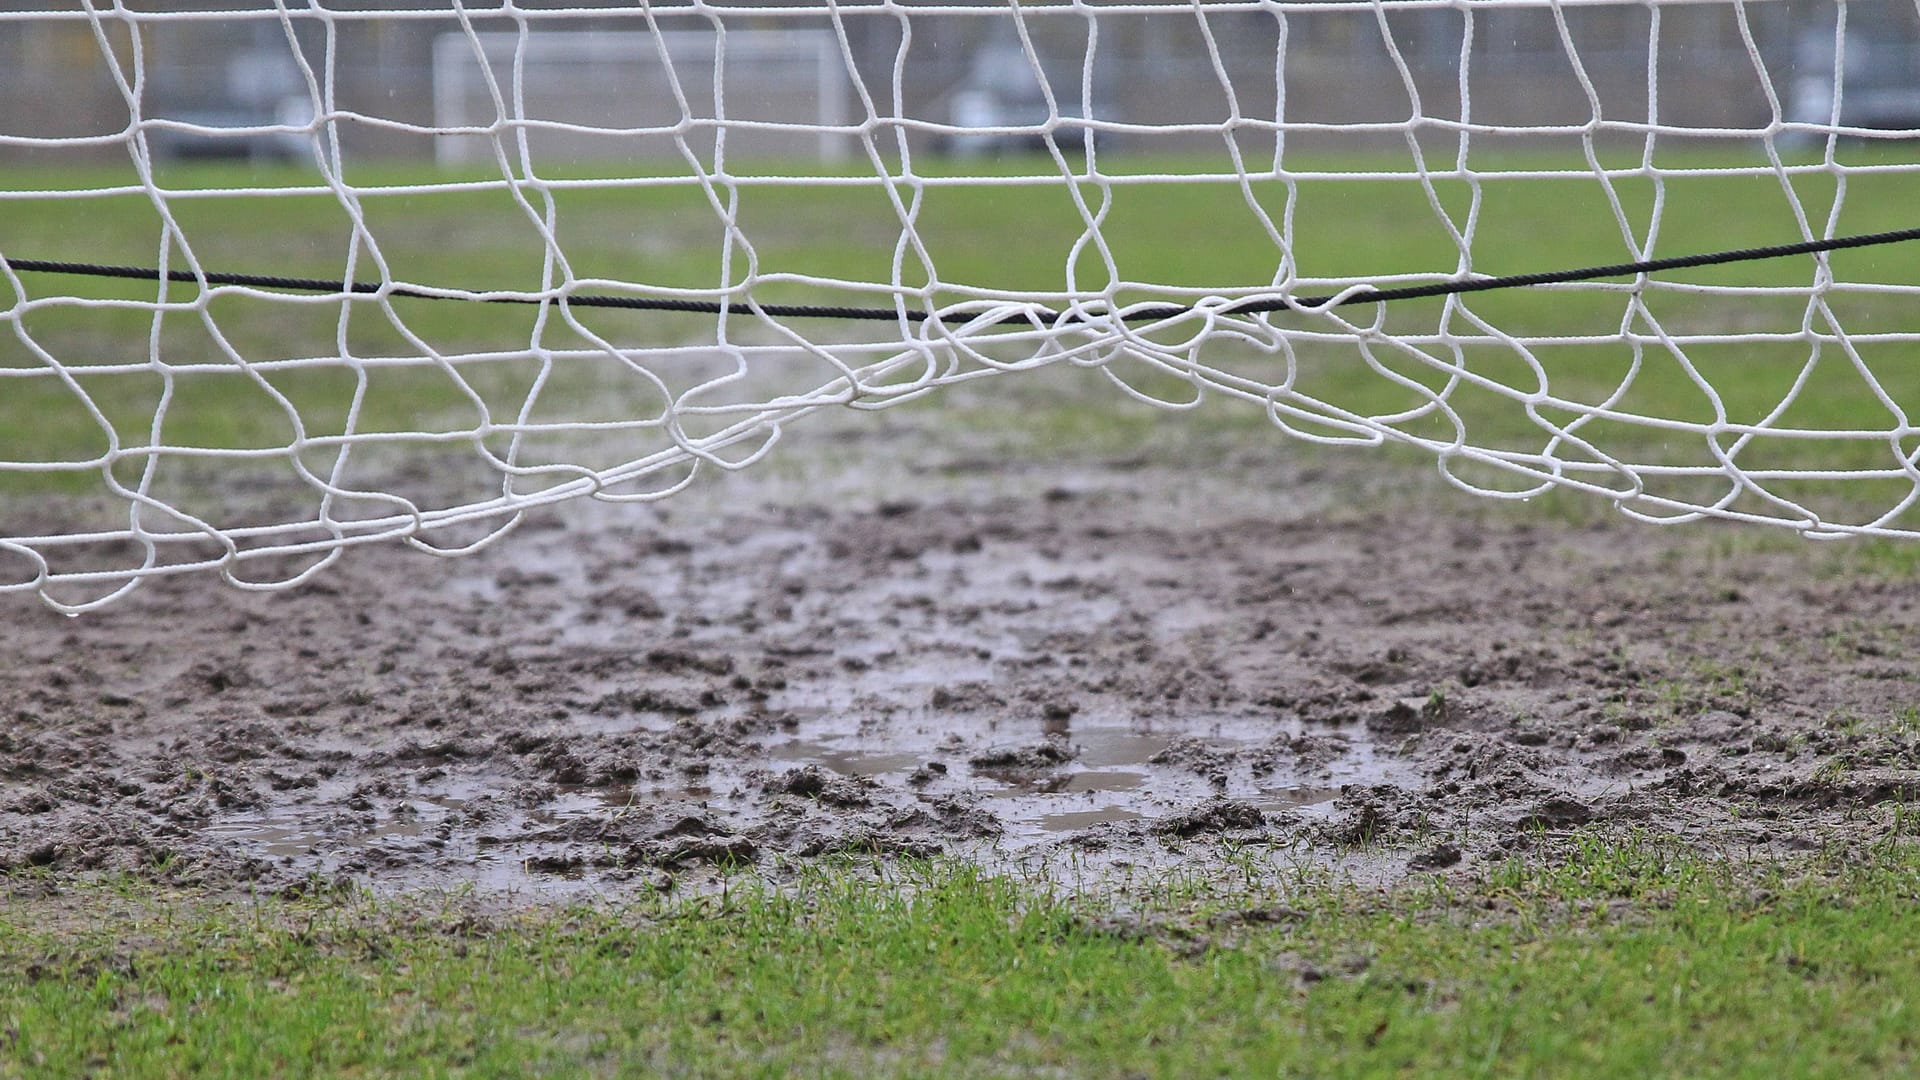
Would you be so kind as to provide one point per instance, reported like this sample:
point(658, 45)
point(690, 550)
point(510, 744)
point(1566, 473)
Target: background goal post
point(282, 278)
point(597, 96)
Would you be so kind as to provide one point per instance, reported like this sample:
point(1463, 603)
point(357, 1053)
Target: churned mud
point(1133, 660)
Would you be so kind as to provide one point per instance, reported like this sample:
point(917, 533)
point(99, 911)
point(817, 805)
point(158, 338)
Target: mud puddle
point(1103, 774)
point(1136, 663)
point(1020, 796)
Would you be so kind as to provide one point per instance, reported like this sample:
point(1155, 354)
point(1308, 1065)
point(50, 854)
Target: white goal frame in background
point(525, 70)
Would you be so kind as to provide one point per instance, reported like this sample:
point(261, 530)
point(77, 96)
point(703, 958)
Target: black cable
point(1142, 314)
point(296, 284)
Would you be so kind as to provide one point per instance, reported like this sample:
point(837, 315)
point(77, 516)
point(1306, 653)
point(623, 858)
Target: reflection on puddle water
point(1110, 777)
point(1075, 820)
point(267, 836)
point(845, 762)
point(1099, 775)
point(290, 836)
point(1293, 798)
point(1071, 783)
point(1105, 762)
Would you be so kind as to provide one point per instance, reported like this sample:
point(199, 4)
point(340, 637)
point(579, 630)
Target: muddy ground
point(1067, 658)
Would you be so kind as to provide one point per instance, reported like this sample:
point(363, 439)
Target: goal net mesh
point(283, 277)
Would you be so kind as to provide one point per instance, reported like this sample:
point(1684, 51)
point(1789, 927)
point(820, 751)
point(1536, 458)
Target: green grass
point(1628, 958)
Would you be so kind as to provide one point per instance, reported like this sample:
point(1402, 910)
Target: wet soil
point(1073, 658)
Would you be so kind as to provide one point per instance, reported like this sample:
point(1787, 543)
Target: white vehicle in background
point(258, 133)
point(261, 112)
point(1001, 107)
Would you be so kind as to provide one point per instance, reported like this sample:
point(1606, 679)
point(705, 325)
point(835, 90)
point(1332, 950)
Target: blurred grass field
point(1186, 236)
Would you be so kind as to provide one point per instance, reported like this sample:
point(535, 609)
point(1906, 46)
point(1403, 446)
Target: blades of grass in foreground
point(1628, 960)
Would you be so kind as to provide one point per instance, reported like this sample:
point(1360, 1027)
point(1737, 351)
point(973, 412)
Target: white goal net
point(283, 277)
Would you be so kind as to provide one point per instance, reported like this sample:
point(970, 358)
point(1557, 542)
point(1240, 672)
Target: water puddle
point(1107, 773)
point(1058, 777)
point(1075, 820)
point(845, 761)
point(290, 835)
point(1295, 797)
